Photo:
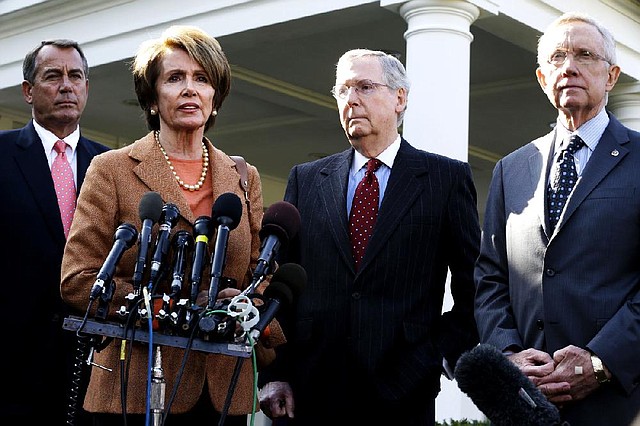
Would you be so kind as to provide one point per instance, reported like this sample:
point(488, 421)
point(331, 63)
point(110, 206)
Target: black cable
point(77, 379)
point(126, 363)
point(174, 390)
point(81, 355)
point(231, 391)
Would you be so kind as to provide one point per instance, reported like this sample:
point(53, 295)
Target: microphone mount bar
point(116, 330)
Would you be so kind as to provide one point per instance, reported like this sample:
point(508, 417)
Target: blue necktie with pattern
point(565, 179)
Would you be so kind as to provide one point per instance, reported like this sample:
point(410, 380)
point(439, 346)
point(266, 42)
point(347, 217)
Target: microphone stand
point(158, 386)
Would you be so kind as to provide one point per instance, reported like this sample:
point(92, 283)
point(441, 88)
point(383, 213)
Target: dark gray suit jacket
point(37, 349)
point(578, 286)
point(373, 341)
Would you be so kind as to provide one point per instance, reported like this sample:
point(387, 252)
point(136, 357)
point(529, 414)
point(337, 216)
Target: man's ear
point(542, 79)
point(401, 105)
point(26, 91)
point(614, 73)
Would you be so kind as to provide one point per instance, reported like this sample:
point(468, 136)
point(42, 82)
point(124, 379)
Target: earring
point(214, 112)
point(153, 111)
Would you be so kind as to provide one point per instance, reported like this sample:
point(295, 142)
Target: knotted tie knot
point(372, 166)
point(575, 143)
point(61, 147)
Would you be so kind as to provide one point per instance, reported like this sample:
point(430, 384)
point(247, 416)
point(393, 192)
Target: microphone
point(168, 220)
point(226, 212)
point(501, 391)
point(149, 209)
point(202, 231)
point(282, 292)
point(124, 237)
point(182, 242)
point(280, 224)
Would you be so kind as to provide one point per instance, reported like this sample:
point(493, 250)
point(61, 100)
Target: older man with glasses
point(368, 337)
point(559, 272)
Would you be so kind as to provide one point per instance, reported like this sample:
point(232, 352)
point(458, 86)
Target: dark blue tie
point(559, 190)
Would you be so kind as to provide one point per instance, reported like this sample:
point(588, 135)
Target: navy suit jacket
point(375, 339)
point(578, 285)
point(36, 346)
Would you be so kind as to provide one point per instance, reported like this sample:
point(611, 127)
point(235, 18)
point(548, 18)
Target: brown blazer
point(113, 187)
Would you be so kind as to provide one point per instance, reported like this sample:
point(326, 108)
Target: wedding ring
point(577, 369)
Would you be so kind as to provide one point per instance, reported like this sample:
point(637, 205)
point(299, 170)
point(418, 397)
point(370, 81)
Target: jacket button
point(540, 324)
point(355, 295)
point(550, 272)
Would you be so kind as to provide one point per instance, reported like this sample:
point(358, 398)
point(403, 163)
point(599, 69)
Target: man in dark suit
point(562, 302)
point(368, 341)
point(37, 350)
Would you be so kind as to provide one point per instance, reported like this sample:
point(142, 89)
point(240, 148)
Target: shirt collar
point(49, 139)
point(590, 132)
point(387, 156)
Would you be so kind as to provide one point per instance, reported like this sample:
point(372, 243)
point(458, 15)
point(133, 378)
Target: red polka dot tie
point(364, 210)
point(64, 184)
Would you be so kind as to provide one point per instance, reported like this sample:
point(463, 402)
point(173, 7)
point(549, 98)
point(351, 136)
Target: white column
point(437, 118)
point(438, 64)
point(624, 103)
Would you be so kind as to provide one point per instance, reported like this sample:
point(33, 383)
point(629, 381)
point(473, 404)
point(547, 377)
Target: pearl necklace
point(205, 165)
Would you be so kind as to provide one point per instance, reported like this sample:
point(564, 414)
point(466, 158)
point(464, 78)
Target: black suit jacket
point(36, 348)
point(373, 341)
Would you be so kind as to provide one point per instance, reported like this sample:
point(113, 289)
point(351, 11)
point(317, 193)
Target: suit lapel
point(608, 153)
point(539, 168)
point(84, 153)
point(154, 172)
point(333, 190)
point(404, 187)
point(32, 162)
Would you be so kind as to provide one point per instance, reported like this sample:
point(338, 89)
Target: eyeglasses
point(362, 87)
point(583, 57)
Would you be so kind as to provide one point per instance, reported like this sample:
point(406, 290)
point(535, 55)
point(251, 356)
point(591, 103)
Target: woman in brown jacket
point(181, 80)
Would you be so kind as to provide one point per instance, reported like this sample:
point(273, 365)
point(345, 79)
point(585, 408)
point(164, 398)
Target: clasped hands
point(276, 400)
point(568, 376)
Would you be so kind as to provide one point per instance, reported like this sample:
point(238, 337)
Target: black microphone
point(226, 212)
point(182, 243)
point(149, 209)
point(202, 232)
point(168, 220)
point(280, 224)
point(501, 391)
point(281, 293)
point(124, 237)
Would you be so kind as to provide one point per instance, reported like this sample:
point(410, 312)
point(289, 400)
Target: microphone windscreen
point(281, 219)
point(281, 291)
point(150, 206)
point(126, 233)
point(227, 210)
point(290, 275)
point(501, 391)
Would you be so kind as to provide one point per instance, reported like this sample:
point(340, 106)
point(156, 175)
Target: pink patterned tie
point(364, 210)
point(65, 186)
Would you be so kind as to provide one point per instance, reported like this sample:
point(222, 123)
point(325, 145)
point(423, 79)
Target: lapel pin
point(615, 152)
